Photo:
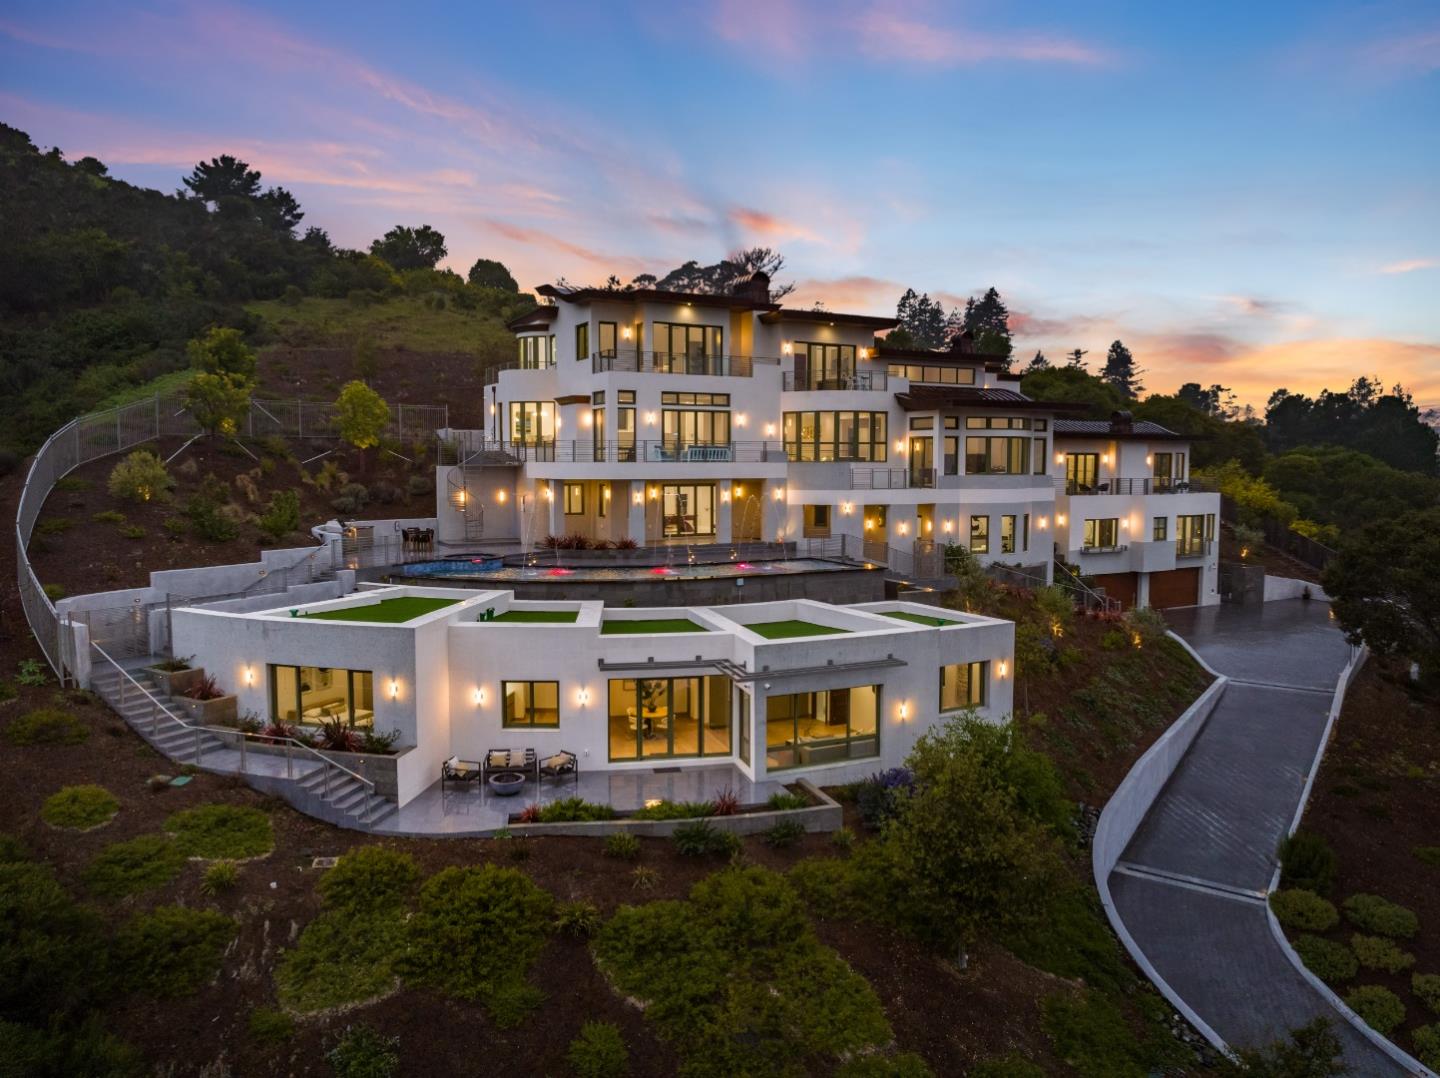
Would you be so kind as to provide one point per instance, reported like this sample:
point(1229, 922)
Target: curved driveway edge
point(1187, 894)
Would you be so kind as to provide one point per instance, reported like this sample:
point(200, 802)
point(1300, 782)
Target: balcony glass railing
point(1192, 548)
point(1148, 485)
point(639, 362)
point(467, 446)
point(796, 381)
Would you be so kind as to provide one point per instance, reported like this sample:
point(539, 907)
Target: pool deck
point(467, 809)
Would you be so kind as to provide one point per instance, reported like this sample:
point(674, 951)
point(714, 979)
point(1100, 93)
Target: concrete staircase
point(305, 781)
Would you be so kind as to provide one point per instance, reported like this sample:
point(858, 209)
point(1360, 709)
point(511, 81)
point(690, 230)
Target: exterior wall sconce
point(846, 508)
point(639, 498)
point(583, 697)
point(778, 494)
point(869, 524)
point(394, 688)
point(585, 419)
point(500, 496)
point(492, 407)
point(654, 493)
point(650, 418)
point(929, 526)
point(900, 446)
point(1003, 669)
point(1059, 458)
point(903, 528)
point(725, 495)
point(863, 353)
point(742, 419)
point(605, 492)
point(1149, 460)
point(549, 494)
point(626, 333)
point(249, 675)
point(1104, 458)
point(1060, 519)
point(1125, 523)
point(948, 526)
point(904, 711)
point(479, 697)
point(786, 348)
point(1042, 523)
point(559, 422)
point(739, 490)
point(769, 430)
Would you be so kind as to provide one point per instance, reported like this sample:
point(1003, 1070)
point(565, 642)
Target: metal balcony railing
point(642, 362)
point(1108, 548)
point(1149, 485)
point(869, 477)
point(796, 381)
point(472, 449)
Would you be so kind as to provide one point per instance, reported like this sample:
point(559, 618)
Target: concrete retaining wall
point(1285, 587)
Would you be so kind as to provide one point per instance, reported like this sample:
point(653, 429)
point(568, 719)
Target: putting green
point(784, 630)
point(389, 611)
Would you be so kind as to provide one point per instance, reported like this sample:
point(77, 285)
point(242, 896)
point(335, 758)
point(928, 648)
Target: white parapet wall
point(1285, 587)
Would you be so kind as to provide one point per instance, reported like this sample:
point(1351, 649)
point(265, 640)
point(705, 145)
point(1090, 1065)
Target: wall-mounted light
point(638, 498)
point(1059, 458)
point(900, 446)
point(1149, 460)
point(769, 430)
point(460, 496)
point(778, 493)
point(869, 524)
point(948, 526)
point(786, 348)
point(1104, 458)
point(1125, 523)
point(500, 496)
point(1060, 519)
point(479, 697)
point(626, 332)
point(904, 711)
point(739, 490)
point(549, 494)
point(605, 492)
point(559, 422)
point(846, 508)
point(492, 407)
point(903, 528)
point(863, 353)
point(929, 526)
point(725, 495)
point(650, 418)
point(1003, 669)
point(742, 419)
point(585, 419)
point(654, 493)
point(249, 675)
point(1043, 523)
point(394, 688)
point(583, 697)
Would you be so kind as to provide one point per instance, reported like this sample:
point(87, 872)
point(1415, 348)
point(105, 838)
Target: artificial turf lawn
point(650, 625)
point(784, 630)
point(390, 611)
point(918, 619)
point(537, 617)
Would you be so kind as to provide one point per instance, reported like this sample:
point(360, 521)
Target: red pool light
point(559, 572)
point(744, 565)
point(663, 570)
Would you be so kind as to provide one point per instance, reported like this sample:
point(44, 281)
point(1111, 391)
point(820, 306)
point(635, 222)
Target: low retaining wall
point(1285, 587)
point(1127, 808)
point(380, 768)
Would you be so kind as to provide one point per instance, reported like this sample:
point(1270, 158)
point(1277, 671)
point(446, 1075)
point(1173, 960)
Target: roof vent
point(1122, 423)
point(756, 287)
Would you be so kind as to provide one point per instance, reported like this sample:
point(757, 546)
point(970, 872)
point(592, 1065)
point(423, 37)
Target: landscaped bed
point(535, 617)
point(387, 611)
point(918, 619)
point(786, 630)
point(650, 625)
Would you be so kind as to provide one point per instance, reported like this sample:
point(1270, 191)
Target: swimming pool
point(491, 570)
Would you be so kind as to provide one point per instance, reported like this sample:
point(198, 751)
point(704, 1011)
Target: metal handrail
point(244, 735)
point(723, 365)
point(1087, 593)
point(1143, 485)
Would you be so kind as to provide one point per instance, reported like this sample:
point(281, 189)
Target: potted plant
point(175, 675)
point(209, 705)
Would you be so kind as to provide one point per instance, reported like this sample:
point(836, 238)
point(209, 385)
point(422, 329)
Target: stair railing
point(128, 685)
point(1088, 595)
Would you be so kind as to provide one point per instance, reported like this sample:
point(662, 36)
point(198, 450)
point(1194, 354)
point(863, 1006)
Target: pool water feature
point(492, 571)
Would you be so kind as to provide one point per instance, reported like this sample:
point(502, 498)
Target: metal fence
point(115, 430)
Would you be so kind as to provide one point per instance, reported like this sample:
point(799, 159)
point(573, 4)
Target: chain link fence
point(115, 430)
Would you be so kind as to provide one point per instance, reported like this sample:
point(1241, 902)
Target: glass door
point(1082, 471)
point(922, 462)
point(688, 510)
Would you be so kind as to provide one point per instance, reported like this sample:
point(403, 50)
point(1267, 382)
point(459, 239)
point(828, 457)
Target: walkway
point(1190, 885)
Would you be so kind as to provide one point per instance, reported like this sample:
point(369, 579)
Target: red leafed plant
point(726, 802)
point(207, 688)
point(338, 737)
point(529, 814)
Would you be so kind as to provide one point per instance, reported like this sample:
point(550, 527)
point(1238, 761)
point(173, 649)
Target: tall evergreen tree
point(223, 177)
point(989, 321)
point(1039, 363)
point(1121, 371)
point(1076, 358)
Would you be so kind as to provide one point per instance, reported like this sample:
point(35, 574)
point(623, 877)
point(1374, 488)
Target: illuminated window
point(531, 703)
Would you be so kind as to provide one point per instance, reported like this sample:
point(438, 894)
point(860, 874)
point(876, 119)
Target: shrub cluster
point(1426, 987)
point(47, 726)
point(598, 1052)
point(79, 808)
point(879, 797)
point(218, 831)
point(1304, 911)
point(1378, 1007)
point(700, 837)
point(361, 1052)
point(172, 950)
point(1376, 952)
point(140, 477)
point(622, 845)
point(127, 868)
point(1307, 862)
point(1384, 918)
point(1328, 960)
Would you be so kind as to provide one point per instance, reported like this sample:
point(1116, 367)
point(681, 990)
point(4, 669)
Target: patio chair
point(521, 760)
point(559, 765)
point(458, 770)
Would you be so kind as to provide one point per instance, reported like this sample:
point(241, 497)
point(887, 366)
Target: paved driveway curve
point(1190, 884)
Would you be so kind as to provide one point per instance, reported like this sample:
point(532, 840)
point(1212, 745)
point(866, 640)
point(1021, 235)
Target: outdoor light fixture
point(863, 353)
point(1059, 458)
point(778, 493)
point(583, 696)
point(460, 496)
point(948, 526)
point(605, 492)
point(1149, 460)
point(585, 419)
point(549, 494)
point(1004, 668)
point(739, 490)
point(1043, 523)
point(785, 348)
point(900, 446)
point(479, 696)
point(639, 498)
point(725, 494)
point(394, 689)
point(1104, 458)
point(500, 496)
point(1060, 519)
point(904, 710)
point(653, 802)
point(904, 528)
point(741, 419)
point(650, 418)
point(846, 508)
point(249, 675)
point(769, 430)
point(626, 333)
point(654, 493)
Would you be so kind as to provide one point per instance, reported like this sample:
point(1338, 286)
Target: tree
point(1385, 591)
point(1075, 386)
point(1216, 439)
point(1346, 488)
point(1388, 426)
point(279, 210)
point(218, 401)
point(1039, 363)
point(720, 277)
point(487, 273)
point(1075, 358)
point(973, 849)
point(989, 322)
point(222, 351)
point(318, 240)
point(923, 320)
point(361, 415)
point(1216, 401)
point(1121, 372)
point(410, 248)
point(221, 178)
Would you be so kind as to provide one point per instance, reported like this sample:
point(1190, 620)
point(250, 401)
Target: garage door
point(1176, 587)
point(1120, 586)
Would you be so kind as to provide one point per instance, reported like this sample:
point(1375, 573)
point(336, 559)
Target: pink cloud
point(886, 32)
point(854, 295)
point(1410, 265)
point(768, 227)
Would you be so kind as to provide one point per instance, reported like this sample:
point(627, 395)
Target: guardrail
point(244, 736)
point(858, 381)
point(1149, 485)
point(473, 449)
point(871, 477)
point(639, 362)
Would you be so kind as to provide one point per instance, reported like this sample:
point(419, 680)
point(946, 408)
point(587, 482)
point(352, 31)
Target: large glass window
point(824, 366)
point(574, 499)
point(684, 427)
point(688, 509)
point(1161, 530)
point(997, 456)
point(318, 694)
point(1169, 469)
point(1082, 472)
point(835, 435)
point(607, 339)
point(744, 716)
point(536, 352)
point(1007, 533)
point(980, 535)
point(806, 728)
point(582, 341)
point(532, 422)
point(929, 372)
point(1102, 533)
point(686, 349)
point(1190, 535)
point(531, 703)
point(963, 685)
point(657, 717)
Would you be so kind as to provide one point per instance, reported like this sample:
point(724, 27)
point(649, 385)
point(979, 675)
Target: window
point(607, 339)
point(930, 372)
point(1161, 529)
point(582, 341)
point(744, 710)
point(625, 431)
point(574, 499)
point(1082, 471)
point(661, 717)
point(626, 396)
point(1102, 534)
point(963, 685)
point(536, 353)
point(835, 435)
point(952, 422)
point(531, 703)
point(824, 366)
point(1007, 533)
point(597, 433)
point(532, 422)
point(1209, 526)
point(1037, 457)
point(319, 694)
point(922, 422)
point(1025, 532)
point(699, 400)
point(807, 728)
point(1168, 469)
point(1042, 424)
point(602, 508)
point(997, 456)
point(597, 398)
point(817, 522)
point(692, 426)
point(1190, 535)
point(952, 455)
point(991, 422)
point(687, 509)
point(980, 535)
point(686, 349)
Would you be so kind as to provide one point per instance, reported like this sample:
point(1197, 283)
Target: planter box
point(176, 682)
point(222, 711)
point(382, 770)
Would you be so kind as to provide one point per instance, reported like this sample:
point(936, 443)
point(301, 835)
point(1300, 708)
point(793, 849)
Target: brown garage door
point(1175, 587)
point(1122, 586)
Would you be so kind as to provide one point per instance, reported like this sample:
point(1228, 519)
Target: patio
point(469, 809)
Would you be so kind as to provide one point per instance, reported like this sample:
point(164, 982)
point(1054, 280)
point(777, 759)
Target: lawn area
point(918, 619)
point(537, 617)
point(388, 611)
point(785, 630)
point(650, 625)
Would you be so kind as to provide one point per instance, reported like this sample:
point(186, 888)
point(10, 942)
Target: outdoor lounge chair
point(559, 765)
point(458, 770)
point(521, 760)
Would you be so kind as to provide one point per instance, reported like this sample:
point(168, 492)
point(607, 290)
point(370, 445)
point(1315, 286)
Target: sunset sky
point(1244, 193)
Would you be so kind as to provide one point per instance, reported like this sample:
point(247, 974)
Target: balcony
point(473, 450)
point(1113, 548)
point(796, 381)
point(870, 477)
point(1192, 548)
point(639, 362)
point(1134, 486)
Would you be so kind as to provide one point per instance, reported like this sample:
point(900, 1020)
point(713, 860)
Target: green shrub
point(1089, 1032)
point(475, 934)
point(1307, 862)
point(31, 672)
point(229, 832)
point(363, 1053)
point(599, 1052)
point(700, 837)
point(64, 1051)
point(1427, 1045)
point(1375, 914)
point(784, 801)
point(674, 810)
point(79, 808)
point(208, 521)
point(580, 919)
point(369, 879)
point(877, 1065)
point(218, 877)
point(1311, 1051)
point(1429, 855)
point(47, 726)
point(269, 1026)
point(140, 477)
point(1304, 911)
point(843, 839)
point(1376, 952)
point(570, 809)
point(172, 950)
point(833, 889)
point(12, 850)
point(1379, 1008)
point(622, 845)
point(127, 868)
point(108, 516)
point(1072, 939)
point(643, 878)
point(1011, 1066)
point(783, 834)
point(1427, 987)
point(1328, 960)
point(52, 950)
point(282, 515)
point(341, 959)
point(54, 592)
point(133, 531)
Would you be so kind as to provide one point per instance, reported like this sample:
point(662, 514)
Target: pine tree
point(905, 312)
point(954, 326)
point(1039, 363)
point(1076, 358)
point(1121, 371)
point(989, 321)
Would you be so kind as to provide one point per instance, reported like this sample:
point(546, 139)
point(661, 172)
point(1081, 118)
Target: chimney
point(1122, 423)
point(756, 288)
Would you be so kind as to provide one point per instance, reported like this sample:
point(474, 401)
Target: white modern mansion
point(666, 417)
point(785, 689)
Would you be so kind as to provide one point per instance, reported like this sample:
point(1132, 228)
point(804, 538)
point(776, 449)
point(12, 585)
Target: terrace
point(395, 611)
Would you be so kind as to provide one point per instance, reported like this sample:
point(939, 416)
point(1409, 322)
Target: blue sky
point(1244, 193)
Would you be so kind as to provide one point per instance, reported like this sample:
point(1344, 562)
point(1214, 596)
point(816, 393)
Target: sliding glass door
point(806, 728)
point(688, 509)
point(652, 718)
